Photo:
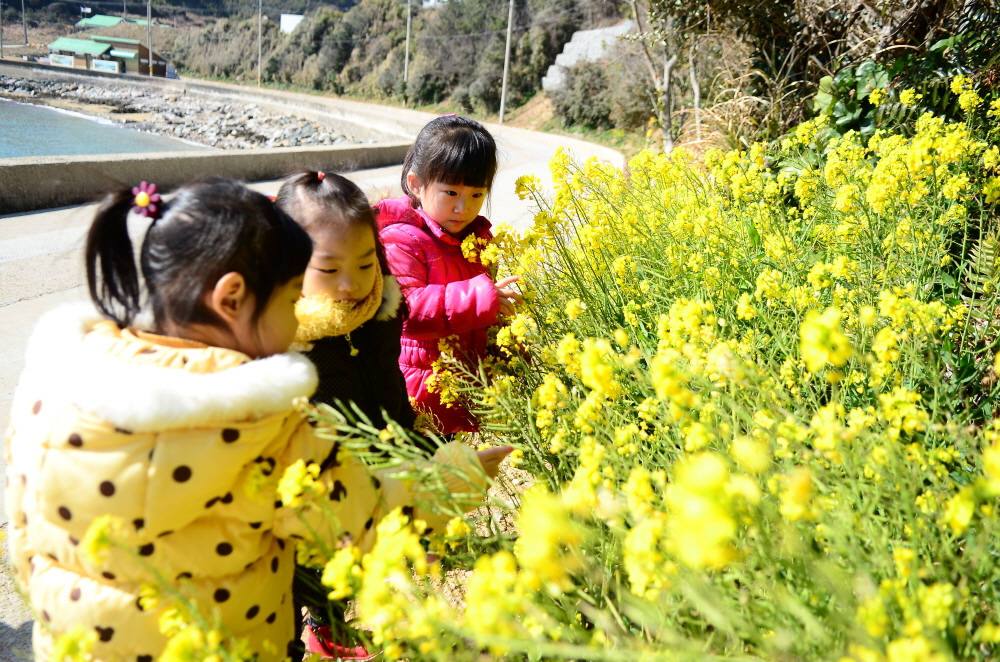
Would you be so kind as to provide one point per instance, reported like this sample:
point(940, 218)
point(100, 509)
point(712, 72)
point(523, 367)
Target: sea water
point(31, 130)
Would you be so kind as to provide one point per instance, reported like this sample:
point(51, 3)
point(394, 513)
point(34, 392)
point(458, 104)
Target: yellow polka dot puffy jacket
point(164, 434)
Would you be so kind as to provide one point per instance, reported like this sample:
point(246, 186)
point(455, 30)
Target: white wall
point(289, 22)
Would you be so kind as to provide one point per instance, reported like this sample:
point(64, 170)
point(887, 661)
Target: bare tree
point(655, 37)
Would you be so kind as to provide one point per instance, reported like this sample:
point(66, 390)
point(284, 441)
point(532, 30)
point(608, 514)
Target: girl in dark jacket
point(351, 311)
point(351, 316)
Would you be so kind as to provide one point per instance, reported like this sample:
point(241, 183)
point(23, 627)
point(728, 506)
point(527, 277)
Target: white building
point(289, 22)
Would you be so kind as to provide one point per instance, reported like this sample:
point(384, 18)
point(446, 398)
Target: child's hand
point(508, 297)
point(492, 457)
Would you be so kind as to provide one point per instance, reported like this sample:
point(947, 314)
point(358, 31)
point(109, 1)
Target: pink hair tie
point(448, 115)
point(320, 175)
point(146, 200)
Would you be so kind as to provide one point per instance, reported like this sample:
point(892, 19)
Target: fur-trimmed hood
point(391, 298)
point(141, 397)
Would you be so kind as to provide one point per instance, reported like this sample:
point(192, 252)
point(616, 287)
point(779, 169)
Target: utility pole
point(260, 39)
point(124, 9)
point(1, 29)
point(506, 60)
point(406, 59)
point(149, 33)
point(24, 22)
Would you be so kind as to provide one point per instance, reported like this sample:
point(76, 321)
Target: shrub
point(629, 94)
point(222, 49)
point(584, 98)
point(462, 97)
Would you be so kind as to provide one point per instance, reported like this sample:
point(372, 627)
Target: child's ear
point(229, 298)
point(413, 183)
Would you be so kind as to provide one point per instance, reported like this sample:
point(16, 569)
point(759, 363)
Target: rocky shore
point(163, 112)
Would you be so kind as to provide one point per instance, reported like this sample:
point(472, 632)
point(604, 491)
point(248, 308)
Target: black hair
point(210, 228)
point(452, 150)
point(317, 199)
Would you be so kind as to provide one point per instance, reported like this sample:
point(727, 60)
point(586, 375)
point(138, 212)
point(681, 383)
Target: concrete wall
point(33, 183)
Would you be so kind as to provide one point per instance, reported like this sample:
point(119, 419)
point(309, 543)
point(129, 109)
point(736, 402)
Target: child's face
point(277, 325)
point(343, 262)
point(272, 332)
point(452, 206)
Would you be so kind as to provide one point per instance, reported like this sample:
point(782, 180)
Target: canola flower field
point(755, 397)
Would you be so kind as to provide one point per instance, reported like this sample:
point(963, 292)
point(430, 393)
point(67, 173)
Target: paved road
point(41, 266)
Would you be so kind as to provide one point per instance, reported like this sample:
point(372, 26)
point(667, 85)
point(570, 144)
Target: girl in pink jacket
point(447, 175)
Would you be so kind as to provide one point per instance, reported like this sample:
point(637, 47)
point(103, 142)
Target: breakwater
point(27, 184)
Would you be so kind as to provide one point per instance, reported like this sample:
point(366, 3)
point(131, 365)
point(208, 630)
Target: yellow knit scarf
point(322, 316)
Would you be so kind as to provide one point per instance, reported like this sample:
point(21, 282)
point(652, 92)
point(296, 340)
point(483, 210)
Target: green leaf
point(753, 234)
point(943, 44)
point(822, 102)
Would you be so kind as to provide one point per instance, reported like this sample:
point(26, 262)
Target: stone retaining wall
point(31, 183)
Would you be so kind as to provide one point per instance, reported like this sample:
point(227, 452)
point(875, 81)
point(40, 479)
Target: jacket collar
point(104, 377)
point(398, 211)
point(391, 298)
point(479, 226)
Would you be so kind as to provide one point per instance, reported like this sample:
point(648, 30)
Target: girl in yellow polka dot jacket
point(163, 429)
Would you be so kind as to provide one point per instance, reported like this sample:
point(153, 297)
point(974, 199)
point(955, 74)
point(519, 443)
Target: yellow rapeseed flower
point(751, 454)
point(457, 528)
point(968, 99)
point(871, 614)
point(574, 308)
point(299, 484)
point(959, 509)
point(991, 467)
point(796, 497)
point(105, 532)
point(912, 649)
point(341, 574)
point(74, 646)
point(549, 551)
point(526, 185)
point(909, 97)
point(821, 341)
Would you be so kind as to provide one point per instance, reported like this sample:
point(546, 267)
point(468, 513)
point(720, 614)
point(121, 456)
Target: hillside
point(456, 51)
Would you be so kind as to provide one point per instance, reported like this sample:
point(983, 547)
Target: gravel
point(167, 113)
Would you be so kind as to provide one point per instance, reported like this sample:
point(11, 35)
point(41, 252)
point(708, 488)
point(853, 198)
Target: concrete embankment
point(522, 151)
point(33, 183)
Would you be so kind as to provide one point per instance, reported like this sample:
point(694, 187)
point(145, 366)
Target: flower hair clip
point(147, 200)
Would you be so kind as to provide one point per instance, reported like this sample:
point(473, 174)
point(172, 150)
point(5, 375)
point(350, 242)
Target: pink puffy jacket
point(447, 295)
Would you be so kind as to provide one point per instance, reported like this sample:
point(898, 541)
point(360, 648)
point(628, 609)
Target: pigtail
point(308, 180)
point(116, 291)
